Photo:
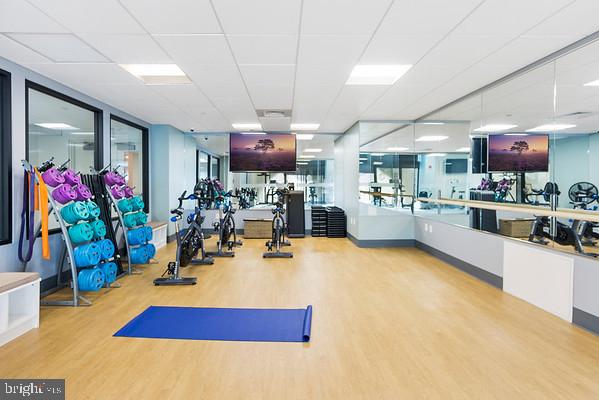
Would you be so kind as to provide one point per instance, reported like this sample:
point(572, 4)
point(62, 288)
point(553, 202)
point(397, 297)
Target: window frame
point(98, 119)
point(6, 166)
point(145, 147)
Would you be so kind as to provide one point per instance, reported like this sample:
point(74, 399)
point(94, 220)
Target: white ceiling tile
point(90, 16)
point(425, 17)
point(174, 16)
point(20, 16)
point(277, 97)
point(18, 53)
point(264, 49)
point(268, 74)
point(127, 48)
point(578, 20)
point(259, 16)
point(397, 49)
point(183, 96)
point(87, 74)
point(59, 47)
point(275, 124)
point(331, 50)
point(341, 17)
point(460, 50)
point(192, 50)
point(508, 17)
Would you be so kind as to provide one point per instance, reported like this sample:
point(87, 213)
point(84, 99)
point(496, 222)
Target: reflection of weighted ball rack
point(132, 222)
point(60, 205)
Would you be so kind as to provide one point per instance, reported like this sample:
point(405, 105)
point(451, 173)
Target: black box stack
point(336, 222)
point(319, 221)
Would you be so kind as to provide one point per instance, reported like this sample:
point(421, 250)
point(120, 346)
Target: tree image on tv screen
point(264, 145)
point(520, 146)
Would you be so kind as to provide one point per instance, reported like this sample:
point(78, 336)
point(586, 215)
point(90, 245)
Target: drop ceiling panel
point(16, 52)
point(425, 17)
point(271, 96)
point(508, 17)
point(331, 50)
point(59, 47)
point(275, 124)
point(90, 16)
point(192, 50)
point(19, 16)
point(174, 16)
point(268, 74)
point(578, 19)
point(341, 17)
point(460, 50)
point(259, 16)
point(128, 48)
point(397, 49)
point(264, 49)
point(187, 97)
point(79, 74)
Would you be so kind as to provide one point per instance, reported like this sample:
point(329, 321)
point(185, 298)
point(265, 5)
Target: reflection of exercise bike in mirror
point(189, 245)
point(279, 229)
point(225, 226)
point(582, 195)
point(565, 235)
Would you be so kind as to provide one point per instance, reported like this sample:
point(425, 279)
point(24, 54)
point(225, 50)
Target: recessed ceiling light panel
point(376, 74)
point(305, 127)
point(303, 136)
point(157, 74)
point(551, 127)
point(56, 125)
point(431, 138)
point(397, 148)
point(495, 127)
point(313, 150)
point(247, 126)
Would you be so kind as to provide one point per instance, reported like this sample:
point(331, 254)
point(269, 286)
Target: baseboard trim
point(585, 320)
point(379, 243)
point(485, 276)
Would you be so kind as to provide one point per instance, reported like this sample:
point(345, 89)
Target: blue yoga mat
point(236, 324)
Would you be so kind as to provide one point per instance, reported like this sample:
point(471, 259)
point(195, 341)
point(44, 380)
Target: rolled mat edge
point(307, 324)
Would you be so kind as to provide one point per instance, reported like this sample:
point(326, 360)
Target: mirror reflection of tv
point(262, 152)
point(518, 152)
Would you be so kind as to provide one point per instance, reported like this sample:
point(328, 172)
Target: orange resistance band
point(42, 204)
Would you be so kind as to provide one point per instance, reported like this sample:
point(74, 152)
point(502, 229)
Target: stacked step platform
point(319, 221)
point(336, 222)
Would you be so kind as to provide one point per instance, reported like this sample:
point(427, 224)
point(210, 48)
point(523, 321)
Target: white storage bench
point(19, 304)
point(159, 230)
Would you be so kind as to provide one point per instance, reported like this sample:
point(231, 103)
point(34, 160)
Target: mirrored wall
point(519, 159)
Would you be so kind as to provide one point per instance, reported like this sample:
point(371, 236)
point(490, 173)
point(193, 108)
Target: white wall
point(8, 252)
point(173, 157)
point(347, 153)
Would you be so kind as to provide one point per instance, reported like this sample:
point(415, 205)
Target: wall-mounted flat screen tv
point(268, 152)
point(519, 152)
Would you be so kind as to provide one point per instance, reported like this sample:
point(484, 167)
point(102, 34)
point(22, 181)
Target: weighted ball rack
point(67, 254)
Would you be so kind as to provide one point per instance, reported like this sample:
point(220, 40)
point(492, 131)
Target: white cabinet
point(19, 310)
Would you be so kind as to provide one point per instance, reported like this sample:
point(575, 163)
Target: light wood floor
point(387, 324)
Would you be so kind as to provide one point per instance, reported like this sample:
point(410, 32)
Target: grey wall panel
point(482, 250)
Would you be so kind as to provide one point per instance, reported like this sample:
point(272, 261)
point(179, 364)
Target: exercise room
point(299, 199)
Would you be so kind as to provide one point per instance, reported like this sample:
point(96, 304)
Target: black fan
point(583, 192)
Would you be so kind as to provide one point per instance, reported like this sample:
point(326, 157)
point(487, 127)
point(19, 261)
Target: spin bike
point(189, 245)
point(565, 235)
point(225, 226)
point(279, 229)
